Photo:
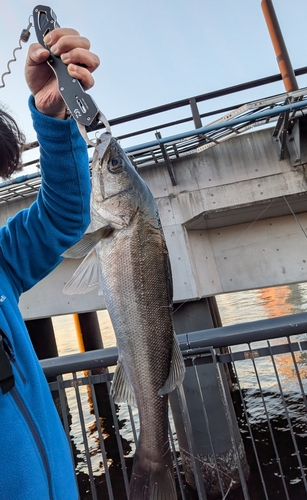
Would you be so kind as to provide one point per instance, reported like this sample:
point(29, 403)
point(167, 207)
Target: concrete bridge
point(234, 215)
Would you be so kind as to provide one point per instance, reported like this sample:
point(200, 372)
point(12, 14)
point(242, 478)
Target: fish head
point(115, 195)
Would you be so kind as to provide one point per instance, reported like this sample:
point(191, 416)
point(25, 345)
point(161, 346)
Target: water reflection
point(253, 305)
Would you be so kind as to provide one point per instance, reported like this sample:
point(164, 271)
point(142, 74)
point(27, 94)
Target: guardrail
point(238, 119)
point(269, 363)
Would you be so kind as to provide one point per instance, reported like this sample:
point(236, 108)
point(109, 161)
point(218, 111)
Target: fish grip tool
point(80, 104)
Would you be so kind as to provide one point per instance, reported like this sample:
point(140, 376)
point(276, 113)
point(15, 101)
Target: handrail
point(204, 97)
point(199, 98)
point(195, 133)
point(218, 126)
point(266, 329)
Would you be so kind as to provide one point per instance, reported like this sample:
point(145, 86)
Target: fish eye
point(115, 165)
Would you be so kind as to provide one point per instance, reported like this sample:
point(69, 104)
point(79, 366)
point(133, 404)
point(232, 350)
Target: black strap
point(7, 380)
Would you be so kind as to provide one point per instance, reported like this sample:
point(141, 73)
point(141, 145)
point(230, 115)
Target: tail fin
point(152, 480)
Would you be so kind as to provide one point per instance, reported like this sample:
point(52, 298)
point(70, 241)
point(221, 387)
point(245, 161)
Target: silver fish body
point(134, 274)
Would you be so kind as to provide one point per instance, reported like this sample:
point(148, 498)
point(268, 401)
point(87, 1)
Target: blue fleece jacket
point(35, 460)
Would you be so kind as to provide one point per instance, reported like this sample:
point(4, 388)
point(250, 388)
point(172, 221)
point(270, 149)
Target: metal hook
point(101, 117)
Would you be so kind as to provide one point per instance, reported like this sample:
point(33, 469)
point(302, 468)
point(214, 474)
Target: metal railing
point(229, 121)
point(268, 362)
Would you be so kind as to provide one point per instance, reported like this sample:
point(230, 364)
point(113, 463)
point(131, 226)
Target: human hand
point(74, 51)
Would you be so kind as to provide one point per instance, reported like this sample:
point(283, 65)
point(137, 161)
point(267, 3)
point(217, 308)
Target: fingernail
point(39, 51)
point(47, 39)
point(55, 50)
point(65, 58)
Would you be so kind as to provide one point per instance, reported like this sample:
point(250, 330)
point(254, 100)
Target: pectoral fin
point(121, 389)
point(87, 276)
point(87, 243)
point(177, 370)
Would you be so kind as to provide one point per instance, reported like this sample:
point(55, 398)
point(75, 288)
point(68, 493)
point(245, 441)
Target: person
point(35, 459)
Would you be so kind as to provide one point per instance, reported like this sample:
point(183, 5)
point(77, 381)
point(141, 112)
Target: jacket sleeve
point(33, 240)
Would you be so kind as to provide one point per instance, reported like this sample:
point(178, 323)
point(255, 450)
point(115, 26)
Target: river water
point(239, 307)
point(261, 304)
point(234, 308)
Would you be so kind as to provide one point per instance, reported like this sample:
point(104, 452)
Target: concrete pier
point(42, 336)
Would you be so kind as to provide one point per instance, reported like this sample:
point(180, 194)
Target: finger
point(81, 57)
point(53, 36)
point(67, 43)
point(81, 74)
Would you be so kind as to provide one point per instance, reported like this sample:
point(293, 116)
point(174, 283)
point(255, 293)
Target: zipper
point(7, 379)
point(11, 355)
point(7, 357)
point(36, 436)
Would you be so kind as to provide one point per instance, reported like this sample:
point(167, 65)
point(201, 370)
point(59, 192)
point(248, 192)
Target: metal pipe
point(78, 332)
point(217, 126)
point(279, 45)
point(264, 329)
point(88, 331)
point(267, 80)
point(204, 130)
point(203, 97)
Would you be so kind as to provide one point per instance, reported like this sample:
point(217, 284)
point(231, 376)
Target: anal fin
point(177, 370)
point(121, 389)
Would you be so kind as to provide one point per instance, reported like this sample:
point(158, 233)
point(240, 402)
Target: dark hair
point(12, 141)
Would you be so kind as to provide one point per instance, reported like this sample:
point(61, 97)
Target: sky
point(156, 52)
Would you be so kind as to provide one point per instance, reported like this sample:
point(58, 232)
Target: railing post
point(195, 113)
point(167, 160)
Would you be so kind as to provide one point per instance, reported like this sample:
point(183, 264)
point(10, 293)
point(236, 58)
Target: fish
point(126, 258)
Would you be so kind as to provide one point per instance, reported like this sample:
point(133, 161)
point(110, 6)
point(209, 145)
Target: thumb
point(37, 72)
point(37, 55)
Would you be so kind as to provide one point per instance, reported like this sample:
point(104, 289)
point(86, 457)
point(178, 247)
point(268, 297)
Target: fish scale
point(126, 256)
